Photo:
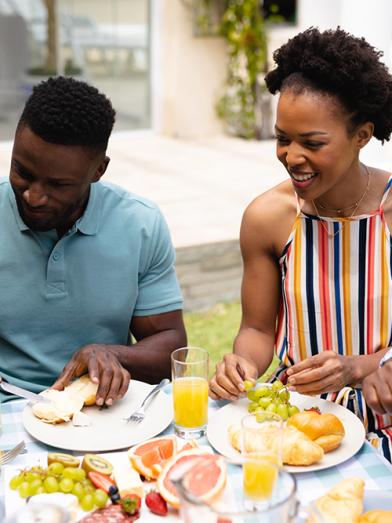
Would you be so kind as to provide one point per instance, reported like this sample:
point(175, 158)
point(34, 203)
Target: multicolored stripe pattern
point(337, 295)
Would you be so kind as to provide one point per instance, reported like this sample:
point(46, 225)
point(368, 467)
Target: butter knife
point(23, 393)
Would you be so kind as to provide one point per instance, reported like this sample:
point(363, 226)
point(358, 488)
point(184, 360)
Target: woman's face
point(313, 142)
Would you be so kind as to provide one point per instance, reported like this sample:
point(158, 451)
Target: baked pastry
point(298, 449)
point(325, 429)
point(65, 403)
point(376, 516)
point(343, 503)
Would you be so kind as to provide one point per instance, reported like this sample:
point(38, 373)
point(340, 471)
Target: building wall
point(190, 71)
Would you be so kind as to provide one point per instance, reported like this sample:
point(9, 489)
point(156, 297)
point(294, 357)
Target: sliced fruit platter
point(120, 486)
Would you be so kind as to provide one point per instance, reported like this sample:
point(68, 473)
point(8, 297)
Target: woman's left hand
point(325, 372)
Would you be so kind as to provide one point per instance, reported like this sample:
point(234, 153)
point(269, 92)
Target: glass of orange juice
point(190, 391)
point(262, 442)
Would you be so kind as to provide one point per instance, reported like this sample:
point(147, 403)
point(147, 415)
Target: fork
point(8, 456)
point(139, 414)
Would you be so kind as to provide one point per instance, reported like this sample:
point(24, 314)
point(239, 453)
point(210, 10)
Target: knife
point(23, 393)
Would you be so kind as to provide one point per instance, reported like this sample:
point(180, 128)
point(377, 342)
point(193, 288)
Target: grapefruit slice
point(148, 457)
point(205, 479)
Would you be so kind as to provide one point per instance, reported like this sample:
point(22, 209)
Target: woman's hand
point(228, 381)
point(103, 367)
point(325, 372)
point(377, 389)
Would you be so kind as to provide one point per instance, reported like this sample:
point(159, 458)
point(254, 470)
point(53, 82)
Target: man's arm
point(112, 365)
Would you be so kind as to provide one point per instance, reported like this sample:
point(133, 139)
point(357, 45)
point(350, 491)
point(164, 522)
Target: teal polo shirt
point(57, 295)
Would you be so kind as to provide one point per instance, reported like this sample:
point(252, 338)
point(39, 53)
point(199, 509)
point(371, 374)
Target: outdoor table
point(367, 463)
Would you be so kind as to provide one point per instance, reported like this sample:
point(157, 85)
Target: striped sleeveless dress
point(337, 294)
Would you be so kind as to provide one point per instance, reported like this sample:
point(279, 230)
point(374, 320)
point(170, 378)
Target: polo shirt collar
point(87, 224)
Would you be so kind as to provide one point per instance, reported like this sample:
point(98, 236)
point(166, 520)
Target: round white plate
point(108, 430)
point(233, 412)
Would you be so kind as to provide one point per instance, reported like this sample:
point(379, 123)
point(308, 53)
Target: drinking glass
point(190, 391)
point(261, 445)
point(229, 507)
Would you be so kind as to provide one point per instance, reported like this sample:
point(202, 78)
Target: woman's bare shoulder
point(273, 205)
point(270, 217)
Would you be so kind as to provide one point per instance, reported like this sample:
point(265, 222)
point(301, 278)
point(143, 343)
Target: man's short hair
point(66, 111)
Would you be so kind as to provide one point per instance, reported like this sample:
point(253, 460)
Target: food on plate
point(65, 459)
point(376, 516)
point(131, 503)
point(149, 457)
point(95, 463)
point(298, 448)
point(273, 397)
point(127, 480)
point(59, 479)
point(65, 403)
point(205, 478)
point(156, 503)
point(110, 514)
point(343, 503)
point(325, 429)
point(101, 481)
point(80, 419)
point(67, 502)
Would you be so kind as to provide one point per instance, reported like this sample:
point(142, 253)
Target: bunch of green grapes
point(57, 478)
point(270, 398)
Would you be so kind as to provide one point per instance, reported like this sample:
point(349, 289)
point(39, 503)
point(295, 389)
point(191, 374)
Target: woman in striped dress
point(317, 282)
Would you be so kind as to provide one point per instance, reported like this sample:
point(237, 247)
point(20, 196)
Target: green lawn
point(215, 330)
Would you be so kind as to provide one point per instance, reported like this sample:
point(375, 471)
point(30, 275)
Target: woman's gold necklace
point(339, 211)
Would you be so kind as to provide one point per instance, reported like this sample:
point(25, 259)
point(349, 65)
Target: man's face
point(52, 182)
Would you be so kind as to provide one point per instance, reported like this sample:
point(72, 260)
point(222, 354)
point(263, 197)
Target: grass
point(215, 331)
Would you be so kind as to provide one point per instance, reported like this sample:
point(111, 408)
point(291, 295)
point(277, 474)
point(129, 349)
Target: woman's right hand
point(231, 372)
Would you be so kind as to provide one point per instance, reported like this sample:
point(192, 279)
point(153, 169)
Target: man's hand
point(228, 381)
point(325, 372)
point(377, 389)
point(103, 367)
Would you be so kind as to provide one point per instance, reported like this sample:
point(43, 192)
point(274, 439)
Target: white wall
point(190, 72)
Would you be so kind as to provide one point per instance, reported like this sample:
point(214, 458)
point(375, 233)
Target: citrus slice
point(148, 457)
point(205, 479)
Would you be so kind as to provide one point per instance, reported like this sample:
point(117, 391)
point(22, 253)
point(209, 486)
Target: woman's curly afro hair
point(338, 64)
point(65, 111)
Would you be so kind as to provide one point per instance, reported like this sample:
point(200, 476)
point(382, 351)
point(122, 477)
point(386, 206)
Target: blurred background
point(194, 121)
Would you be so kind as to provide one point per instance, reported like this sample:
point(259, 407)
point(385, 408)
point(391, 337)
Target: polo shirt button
point(56, 256)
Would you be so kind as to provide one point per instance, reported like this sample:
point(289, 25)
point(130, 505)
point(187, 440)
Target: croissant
point(343, 503)
point(325, 429)
point(376, 516)
point(298, 449)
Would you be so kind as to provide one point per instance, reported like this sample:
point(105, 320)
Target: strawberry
point(156, 503)
point(101, 481)
point(130, 503)
point(313, 409)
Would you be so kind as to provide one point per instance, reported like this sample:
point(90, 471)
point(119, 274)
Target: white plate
point(233, 412)
point(108, 430)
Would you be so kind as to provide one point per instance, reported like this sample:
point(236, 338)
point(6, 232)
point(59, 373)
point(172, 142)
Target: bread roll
point(65, 403)
point(343, 503)
point(376, 516)
point(298, 449)
point(325, 429)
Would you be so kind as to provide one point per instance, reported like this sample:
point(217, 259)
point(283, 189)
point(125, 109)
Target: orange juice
point(190, 397)
point(259, 477)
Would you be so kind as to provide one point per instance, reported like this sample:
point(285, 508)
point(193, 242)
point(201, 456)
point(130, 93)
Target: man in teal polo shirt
point(82, 263)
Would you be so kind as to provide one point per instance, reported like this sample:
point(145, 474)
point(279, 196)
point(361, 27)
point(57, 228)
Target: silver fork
point(139, 414)
point(9, 455)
